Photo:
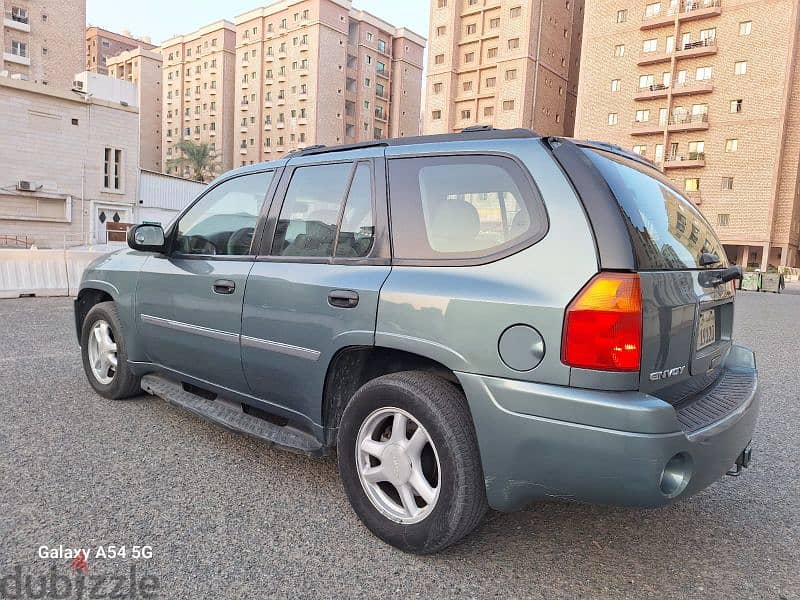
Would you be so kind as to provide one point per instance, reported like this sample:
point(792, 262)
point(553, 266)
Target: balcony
point(695, 196)
point(243, 129)
point(697, 49)
point(268, 104)
point(383, 73)
point(281, 125)
point(692, 87)
point(302, 121)
point(653, 58)
point(269, 81)
point(687, 10)
point(647, 127)
point(304, 71)
point(688, 161)
point(269, 58)
point(245, 105)
point(649, 92)
point(268, 127)
point(302, 96)
point(16, 59)
point(688, 122)
point(281, 101)
point(303, 46)
point(281, 78)
point(17, 21)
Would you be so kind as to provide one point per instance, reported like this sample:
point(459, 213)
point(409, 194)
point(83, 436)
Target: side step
point(224, 413)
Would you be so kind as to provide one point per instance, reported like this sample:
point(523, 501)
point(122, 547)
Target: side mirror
point(147, 238)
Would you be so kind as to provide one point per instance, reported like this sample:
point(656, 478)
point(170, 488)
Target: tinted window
point(459, 207)
point(667, 231)
point(310, 213)
point(223, 221)
point(357, 233)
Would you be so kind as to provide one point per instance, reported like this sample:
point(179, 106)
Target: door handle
point(224, 287)
point(343, 299)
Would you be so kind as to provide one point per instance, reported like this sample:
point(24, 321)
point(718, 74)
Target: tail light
point(603, 325)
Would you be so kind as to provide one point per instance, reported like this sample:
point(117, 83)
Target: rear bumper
point(542, 441)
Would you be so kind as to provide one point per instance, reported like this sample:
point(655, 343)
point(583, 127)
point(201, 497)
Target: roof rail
point(472, 133)
point(619, 150)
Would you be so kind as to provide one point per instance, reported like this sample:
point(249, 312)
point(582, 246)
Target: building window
point(736, 106)
point(466, 114)
point(382, 46)
point(516, 12)
point(619, 50)
point(491, 53)
point(369, 36)
point(439, 59)
point(467, 86)
point(650, 45)
point(513, 43)
point(615, 85)
point(613, 118)
point(442, 3)
point(19, 48)
point(640, 149)
point(491, 82)
point(642, 116)
point(740, 67)
point(112, 169)
point(472, 28)
point(469, 57)
point(436, 115)
point(745, 28)
point(437, 88)
point(659, 154)
point(703, 73)
point(488, 111)
point(441, 30)
point(508, 105)
point(511, 75)
point(494, 23)
point(731, 145)
point(622, 16)
point(652, 9)
point(723, 220)
point(727, 183)
point(691, 184)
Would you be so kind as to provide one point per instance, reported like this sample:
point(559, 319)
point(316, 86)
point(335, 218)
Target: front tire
point(409, 460)
point(104, 354)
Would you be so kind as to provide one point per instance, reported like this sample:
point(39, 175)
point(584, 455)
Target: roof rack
point(619, 150)
point(472, 133)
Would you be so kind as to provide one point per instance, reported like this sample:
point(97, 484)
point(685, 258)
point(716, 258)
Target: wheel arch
point(88, 297)
point(353, 366)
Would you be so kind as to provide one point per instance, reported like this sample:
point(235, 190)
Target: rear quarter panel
point(456, 315)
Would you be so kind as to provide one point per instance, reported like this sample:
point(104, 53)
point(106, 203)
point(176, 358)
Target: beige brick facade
point(322, 72)
point(199, 91)
point(504, 63)
point(42, 40)
point(143, 68)
point(68, 165)
point(102, 44)
point(709, 90)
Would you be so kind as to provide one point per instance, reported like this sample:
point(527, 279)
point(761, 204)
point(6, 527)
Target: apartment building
point(199, 92)
point(102, 44)
point(42, 40)
point(322, 72)
point(503, 63)
point(143, 68)
point(69, 164)
point(709, 91)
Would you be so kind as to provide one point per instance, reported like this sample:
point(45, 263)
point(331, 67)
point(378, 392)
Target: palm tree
point(199, 158)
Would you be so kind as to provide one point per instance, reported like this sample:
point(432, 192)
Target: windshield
point(667, 231)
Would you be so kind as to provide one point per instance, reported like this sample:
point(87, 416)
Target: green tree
point(199, 158)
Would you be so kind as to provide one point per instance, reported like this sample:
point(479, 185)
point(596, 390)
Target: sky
point(161, 19)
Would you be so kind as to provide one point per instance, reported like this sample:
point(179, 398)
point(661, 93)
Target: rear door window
point(667, 231)
point(462, 207)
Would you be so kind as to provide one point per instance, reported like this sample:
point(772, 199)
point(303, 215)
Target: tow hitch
point(742, 462)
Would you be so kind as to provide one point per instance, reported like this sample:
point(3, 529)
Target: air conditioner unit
point(20, 77)
point(26, 186)
point(77, 84)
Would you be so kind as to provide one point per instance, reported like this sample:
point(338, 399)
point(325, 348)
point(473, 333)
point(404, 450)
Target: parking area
point(230, 518)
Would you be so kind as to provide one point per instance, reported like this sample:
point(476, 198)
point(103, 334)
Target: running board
point(225, 413)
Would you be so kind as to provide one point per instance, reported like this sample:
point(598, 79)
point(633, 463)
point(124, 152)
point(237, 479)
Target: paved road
point(229, 518)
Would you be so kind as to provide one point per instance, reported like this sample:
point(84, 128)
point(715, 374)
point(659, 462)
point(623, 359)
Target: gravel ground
point(230, 518)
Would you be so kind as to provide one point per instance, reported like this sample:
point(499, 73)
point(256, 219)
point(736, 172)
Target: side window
point(357, 233)
point(461, 207)
point(223, 222)
point(310, 213)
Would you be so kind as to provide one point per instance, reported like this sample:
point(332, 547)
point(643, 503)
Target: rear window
point(462, 207)
point(667, 231)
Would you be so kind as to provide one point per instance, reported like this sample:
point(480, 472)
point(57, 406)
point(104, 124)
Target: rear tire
point(104, 354)
point(444, 479)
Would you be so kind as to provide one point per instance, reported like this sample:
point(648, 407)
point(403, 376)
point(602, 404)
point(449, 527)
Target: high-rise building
point(322, 72)
point(709, 91)
point(503, 63)
point(143, 68)
point(102, 44)
point(42, 40)
point(199, 91)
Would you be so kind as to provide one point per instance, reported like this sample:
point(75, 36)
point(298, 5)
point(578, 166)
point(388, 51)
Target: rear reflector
point(603, 325)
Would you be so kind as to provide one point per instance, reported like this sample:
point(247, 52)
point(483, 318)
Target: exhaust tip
point(676, 475)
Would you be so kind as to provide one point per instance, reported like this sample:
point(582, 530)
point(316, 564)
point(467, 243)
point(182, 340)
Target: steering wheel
point(240, 241)
point(197, 244)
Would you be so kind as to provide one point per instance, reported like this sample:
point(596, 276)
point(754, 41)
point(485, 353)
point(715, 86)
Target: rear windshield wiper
point(715, 279)
point(707, 259)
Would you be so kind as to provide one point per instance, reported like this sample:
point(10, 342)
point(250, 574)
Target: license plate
point(707, 332)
